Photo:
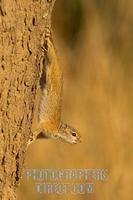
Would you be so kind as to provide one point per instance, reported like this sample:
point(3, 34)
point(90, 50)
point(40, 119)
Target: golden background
point(94, 41)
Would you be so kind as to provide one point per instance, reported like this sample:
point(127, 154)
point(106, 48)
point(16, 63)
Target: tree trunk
point(22, 27)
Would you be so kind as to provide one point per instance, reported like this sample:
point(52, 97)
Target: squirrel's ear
point(42, 135)
point(56, 136)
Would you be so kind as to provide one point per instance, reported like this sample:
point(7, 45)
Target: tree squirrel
point(49, 123)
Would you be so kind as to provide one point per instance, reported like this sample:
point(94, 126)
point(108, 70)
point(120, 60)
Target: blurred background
point(94, 41)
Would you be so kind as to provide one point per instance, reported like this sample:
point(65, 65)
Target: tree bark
point(22, 27)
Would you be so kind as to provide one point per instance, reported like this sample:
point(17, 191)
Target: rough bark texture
point(22, 26)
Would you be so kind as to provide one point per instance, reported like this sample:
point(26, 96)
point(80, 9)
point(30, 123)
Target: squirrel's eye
point(73, 134)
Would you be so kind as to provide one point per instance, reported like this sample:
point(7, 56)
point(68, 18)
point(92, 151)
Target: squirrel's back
point(51, 93)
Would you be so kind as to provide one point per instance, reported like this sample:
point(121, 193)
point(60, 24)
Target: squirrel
point(49, 124)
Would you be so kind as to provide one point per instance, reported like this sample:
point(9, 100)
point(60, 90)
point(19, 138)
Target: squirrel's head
point(68, 134)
